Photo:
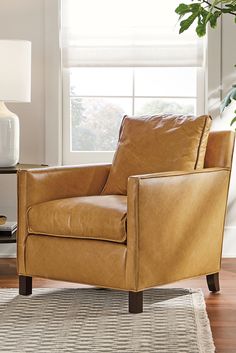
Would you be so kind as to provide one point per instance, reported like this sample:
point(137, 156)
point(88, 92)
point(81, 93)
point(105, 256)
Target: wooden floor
point(221, 307)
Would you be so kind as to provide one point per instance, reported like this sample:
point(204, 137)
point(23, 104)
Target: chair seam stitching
point(137, 238)
point(200, 143)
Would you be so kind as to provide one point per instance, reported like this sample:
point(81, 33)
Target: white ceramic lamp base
point(9, 137)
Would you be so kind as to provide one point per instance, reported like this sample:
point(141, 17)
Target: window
point(101, 86)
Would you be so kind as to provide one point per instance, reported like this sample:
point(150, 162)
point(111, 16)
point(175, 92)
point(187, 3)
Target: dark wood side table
point(5, 239)
point(14, 170)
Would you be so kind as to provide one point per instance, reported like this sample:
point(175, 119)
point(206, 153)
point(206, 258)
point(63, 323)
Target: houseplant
point(203, 12)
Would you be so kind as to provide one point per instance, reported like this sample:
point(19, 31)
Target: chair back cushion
point(158, 143)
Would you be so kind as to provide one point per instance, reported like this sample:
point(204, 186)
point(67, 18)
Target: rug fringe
point(204, 334)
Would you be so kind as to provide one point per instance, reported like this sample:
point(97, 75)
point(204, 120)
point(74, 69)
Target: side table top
point(13, 170)
point(8, 239)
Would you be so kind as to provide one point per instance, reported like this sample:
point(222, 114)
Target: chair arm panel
point(45, 184)
point(41, 185)
point(175, 225)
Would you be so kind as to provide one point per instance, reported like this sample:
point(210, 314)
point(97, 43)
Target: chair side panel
point(219, 152)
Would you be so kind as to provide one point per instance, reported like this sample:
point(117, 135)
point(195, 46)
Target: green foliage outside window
point(96, 121)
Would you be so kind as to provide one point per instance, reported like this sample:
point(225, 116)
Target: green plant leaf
point(213, 18)
point(233, 93)
point(231, 7)
point(208, 17)
point(233, 120)
point(226, 101)
point(185, 24)
point(226, 10)
point(182, 9)
point(201, 29)
point(206, 11)
point(203, 17)
point(195, 7)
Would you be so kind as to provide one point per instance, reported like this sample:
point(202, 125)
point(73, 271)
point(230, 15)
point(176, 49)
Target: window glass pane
point(95, 122)
point(166, 81)
point(92, 81)
point(163, 105)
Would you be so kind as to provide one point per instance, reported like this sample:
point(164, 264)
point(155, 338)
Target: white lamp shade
point(15, 71)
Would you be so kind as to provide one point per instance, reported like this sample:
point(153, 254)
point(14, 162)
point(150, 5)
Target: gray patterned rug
point(90, 320)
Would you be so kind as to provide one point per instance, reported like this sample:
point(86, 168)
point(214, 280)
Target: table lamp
point(15, 86)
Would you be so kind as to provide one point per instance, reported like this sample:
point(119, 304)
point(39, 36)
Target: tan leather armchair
point(175, 225)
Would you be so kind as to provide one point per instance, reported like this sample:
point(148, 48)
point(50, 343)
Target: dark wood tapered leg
point(213, 282)
point(25, 285)
point(135, 302)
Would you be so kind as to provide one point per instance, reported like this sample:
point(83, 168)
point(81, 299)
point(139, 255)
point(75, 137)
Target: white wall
point(24, 19)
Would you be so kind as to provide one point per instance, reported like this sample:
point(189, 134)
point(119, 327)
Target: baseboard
point(229, 248)
point(7, 250)
point(7, 256)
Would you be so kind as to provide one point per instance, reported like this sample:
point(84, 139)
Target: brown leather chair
point(174, 229)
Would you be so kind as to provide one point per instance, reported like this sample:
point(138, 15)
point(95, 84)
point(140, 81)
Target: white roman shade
point(126, 33)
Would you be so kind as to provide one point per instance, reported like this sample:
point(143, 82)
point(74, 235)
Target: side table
point(14, 170)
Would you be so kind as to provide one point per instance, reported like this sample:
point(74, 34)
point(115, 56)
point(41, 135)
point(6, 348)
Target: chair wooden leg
point(213, 282)
point(135, 302)
point(25, 285)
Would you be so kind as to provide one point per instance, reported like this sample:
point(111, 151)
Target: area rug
point(92, 320)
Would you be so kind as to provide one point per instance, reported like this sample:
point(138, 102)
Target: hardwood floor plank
point(221, 307)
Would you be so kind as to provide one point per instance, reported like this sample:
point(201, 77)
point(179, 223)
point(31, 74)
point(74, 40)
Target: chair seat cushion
point(93, 217)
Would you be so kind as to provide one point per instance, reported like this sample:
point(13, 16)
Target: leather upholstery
point(63, 182)
point(94, 217)
point(219, 151)
point(157, 144)
point(45, 184)
point(175, 224)
point(94, 262)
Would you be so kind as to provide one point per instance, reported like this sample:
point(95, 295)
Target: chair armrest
point(175, 225)
point(45, 184)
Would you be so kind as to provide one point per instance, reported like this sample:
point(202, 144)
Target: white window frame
point(56, 115)
point(88, 157)
point(53, 83)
